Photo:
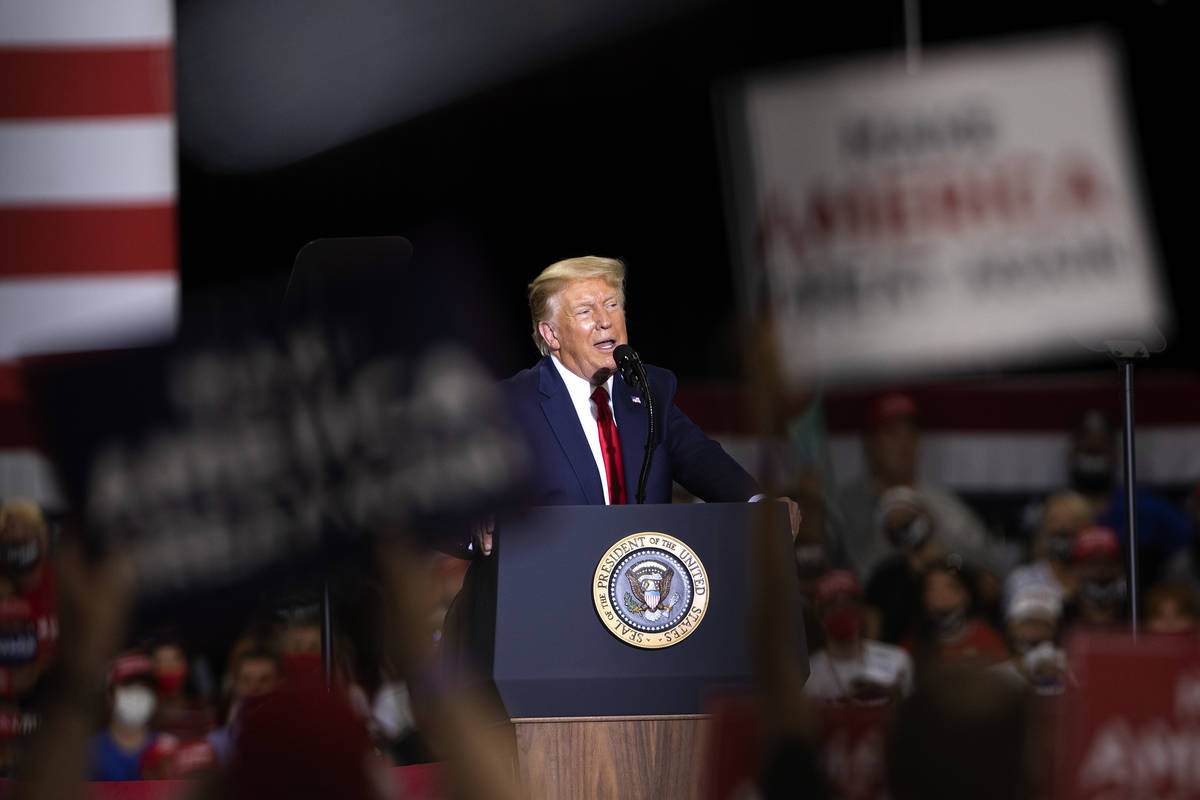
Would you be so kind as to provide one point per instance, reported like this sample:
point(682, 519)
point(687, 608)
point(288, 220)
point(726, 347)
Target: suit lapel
point(561, 416)
point(632, 425)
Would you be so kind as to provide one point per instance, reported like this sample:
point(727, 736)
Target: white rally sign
point(983, 209)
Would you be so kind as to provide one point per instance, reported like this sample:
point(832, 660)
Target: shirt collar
point(579, 388)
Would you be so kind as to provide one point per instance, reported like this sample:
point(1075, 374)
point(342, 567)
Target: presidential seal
point(650, 590)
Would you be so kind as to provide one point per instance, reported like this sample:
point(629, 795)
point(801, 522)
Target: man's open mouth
point(605, 344)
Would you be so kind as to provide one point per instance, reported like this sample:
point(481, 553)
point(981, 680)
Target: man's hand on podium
point(794, 515)
point(481, 536)
point(482, 531)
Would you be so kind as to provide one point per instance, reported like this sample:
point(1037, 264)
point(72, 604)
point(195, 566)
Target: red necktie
point(610, 446)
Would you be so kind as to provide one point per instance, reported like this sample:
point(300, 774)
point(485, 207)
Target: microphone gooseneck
point(633, 372)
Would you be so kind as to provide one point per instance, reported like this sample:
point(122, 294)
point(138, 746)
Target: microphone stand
point(651, 437)
point(633, 372)
point(1125, 353)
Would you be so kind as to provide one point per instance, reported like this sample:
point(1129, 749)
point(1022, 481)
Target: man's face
point(943, 593)
point(301, 639)
point(258, 676)
point(892, 452)
point(588, 326)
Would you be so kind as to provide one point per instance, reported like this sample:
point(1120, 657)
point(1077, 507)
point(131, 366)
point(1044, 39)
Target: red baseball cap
point(1095, 541)
point(130, 665)
point(888, 407)
point(835, 583)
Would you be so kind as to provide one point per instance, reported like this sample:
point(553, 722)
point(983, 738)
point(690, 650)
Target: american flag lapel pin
point(636, 399)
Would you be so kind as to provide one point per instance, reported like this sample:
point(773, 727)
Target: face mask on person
point(301, 666)
point(1045, 665)
point(1092, 473)
point(843, 624)
point(169, 680)
point(19, 558)
point(1105, 594)
point(133, 705)
point(1023, 646)
point(947, 623)
point(1059, 546)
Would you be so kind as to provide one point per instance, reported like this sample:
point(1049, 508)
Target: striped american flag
point(87, 195)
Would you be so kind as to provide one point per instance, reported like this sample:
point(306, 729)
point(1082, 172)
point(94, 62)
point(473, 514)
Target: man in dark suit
point(586, 429)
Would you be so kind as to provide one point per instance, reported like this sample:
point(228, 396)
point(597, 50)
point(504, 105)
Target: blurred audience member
point(950, 629)
point(117, 751)
point(1184, 566)
point(304, 741)
point(300, 649)
point(891, 441)
point(29, 573)
point(1063, 514)
point(1099, 571)
point(965, 733)
point(256, 673)
point(392, 725)
point(178, 713)
point(1033, 616)
point(894, 591)
point(811, 564)
point(1094, 473)
point(1171, 608)
point(852, 669)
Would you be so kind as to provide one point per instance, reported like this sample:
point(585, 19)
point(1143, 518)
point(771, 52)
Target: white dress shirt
point(580, 391)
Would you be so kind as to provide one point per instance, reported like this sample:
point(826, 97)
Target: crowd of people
point(908, 572)
point(901, 580)
point(153, 710)
point(906, 584)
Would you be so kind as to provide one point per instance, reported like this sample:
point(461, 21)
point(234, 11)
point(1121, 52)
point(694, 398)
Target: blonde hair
point(543, 291)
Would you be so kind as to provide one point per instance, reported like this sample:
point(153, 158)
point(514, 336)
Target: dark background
point(615, 151)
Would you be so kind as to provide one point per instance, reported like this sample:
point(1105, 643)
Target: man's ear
point(547, 332)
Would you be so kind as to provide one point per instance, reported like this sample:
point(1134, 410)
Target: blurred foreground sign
point(264, 436)
point(1133, 728)
point(983, 209)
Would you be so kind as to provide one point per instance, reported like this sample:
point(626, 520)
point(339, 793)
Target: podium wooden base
point(632, 758)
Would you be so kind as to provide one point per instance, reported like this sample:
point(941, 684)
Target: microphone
point(630, 367)
point(634, 374)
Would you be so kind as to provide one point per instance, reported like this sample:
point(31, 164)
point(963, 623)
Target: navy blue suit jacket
point(564, 471)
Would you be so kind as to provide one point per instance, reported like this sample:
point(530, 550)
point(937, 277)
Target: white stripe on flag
point(87, 161)
point(71, 22)
point(998, 461)
point(56, 315)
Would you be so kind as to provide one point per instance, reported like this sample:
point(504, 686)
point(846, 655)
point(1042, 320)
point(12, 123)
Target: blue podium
point(614, 624)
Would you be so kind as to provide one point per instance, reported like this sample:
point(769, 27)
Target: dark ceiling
point(613, 150)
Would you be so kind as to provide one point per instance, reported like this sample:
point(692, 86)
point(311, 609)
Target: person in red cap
point(852, 669)
point(117, 751)
point(891, 441)
point(1098, 567)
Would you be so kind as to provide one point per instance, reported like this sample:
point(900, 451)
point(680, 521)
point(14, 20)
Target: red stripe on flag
point(84, 82)
point(1017, 404)
point(58, 240)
